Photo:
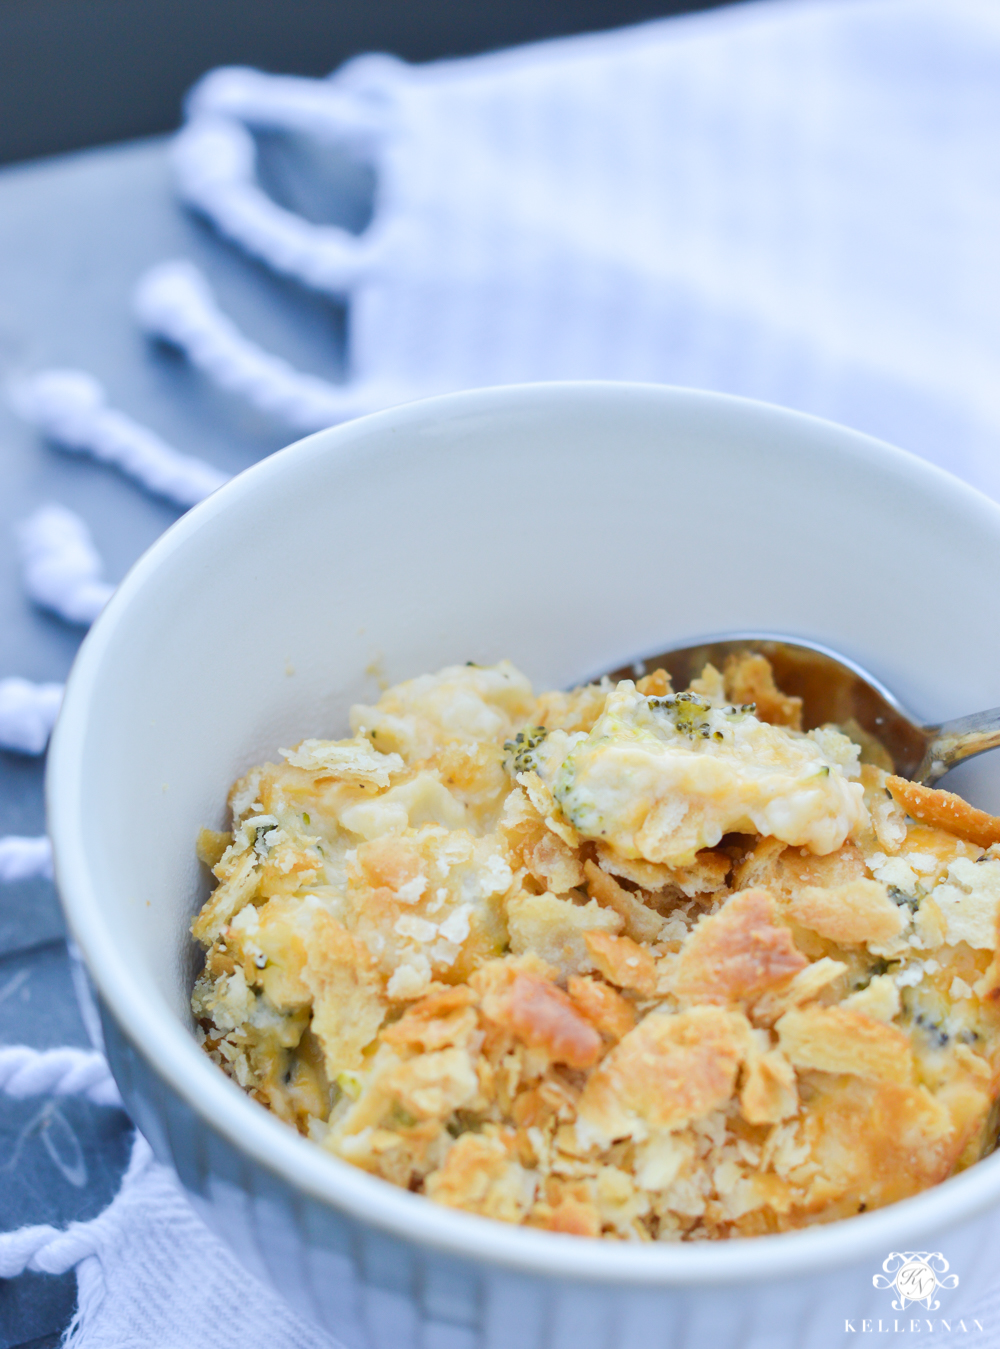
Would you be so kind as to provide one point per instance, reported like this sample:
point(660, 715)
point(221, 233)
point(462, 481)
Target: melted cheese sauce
point(662, 778)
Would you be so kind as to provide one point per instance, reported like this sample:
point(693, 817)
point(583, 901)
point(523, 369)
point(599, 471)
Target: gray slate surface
point(75, 234)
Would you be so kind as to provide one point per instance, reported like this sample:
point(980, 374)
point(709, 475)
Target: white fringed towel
point(791, 201)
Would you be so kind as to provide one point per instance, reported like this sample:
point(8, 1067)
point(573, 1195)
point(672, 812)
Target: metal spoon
point(834, 689)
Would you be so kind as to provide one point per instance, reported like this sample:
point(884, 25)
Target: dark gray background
point(75, 234)
point(84, 72)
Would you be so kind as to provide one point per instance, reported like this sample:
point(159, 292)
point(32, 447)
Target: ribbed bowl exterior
point(168, 703)
point(375, 1291)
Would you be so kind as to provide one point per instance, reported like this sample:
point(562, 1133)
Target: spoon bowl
point(835, 689)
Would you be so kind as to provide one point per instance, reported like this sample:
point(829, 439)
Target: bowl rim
point(174, 1056)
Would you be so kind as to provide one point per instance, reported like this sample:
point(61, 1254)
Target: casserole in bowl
point(565, 527)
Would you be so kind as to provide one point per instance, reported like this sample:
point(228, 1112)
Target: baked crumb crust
point(456, 953)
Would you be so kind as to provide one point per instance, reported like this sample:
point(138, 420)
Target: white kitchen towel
point(795, 201)
point(149, 1273)
point(148, 1270)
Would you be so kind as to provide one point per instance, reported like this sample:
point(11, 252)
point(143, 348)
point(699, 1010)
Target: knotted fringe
point(215, 165)
point(27, 714)
point(71, 408)
point(174, 302)
point(22, 859)
point(57, 1072)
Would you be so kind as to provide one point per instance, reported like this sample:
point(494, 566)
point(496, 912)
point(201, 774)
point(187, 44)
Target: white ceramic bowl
point(568, 527)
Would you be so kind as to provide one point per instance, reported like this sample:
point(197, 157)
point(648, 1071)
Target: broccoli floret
point(688, 712)
point(521, 756)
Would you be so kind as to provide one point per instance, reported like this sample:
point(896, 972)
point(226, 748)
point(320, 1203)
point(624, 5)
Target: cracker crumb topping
point(623, 962)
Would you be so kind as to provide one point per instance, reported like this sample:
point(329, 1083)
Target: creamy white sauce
point(661, 778)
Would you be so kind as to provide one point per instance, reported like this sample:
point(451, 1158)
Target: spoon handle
point(956, 740)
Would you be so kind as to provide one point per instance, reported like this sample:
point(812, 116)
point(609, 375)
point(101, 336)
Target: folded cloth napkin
point(796, 201)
